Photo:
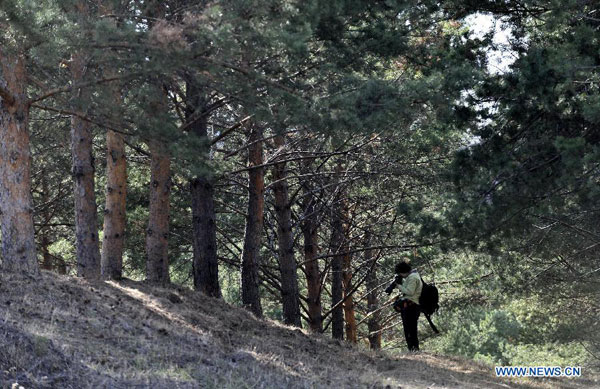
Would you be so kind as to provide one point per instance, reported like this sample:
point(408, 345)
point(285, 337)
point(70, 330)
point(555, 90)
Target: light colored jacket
point(412, 286)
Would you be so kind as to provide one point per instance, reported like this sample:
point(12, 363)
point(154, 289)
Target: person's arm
point(397, 281)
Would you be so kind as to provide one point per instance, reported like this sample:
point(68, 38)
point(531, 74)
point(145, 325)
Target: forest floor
point(64, 332)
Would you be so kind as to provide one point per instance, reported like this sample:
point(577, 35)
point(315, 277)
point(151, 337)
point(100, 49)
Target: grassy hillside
point(68, 333)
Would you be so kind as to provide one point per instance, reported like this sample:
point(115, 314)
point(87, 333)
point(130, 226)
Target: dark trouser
point(410, 319)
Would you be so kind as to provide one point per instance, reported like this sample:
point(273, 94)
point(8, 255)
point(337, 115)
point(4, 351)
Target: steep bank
point(65, 332)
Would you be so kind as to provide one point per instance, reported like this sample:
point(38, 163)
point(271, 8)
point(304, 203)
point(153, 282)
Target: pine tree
point(116, 183)
point(16, 205)
point(285, 243)
point(254, 222)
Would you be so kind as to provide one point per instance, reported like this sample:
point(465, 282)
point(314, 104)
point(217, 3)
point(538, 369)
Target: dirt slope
point(62, 332)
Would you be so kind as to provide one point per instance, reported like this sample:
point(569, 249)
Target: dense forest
point(284, 155)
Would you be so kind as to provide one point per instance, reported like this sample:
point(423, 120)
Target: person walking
point(409, 282)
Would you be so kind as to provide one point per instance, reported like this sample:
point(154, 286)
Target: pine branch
point(80, 116)
point(230, 129)
point(250, 73)
point(68, 88)
point(351, 292)
point(381, 247)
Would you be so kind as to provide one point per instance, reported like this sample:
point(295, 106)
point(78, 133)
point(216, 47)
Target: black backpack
point(429, 302)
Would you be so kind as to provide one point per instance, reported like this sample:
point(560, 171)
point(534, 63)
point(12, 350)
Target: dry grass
point(68, 333)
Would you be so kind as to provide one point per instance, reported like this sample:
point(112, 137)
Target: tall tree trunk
point(44, 231)
point(114, 210)
point(206, 270)
point(373, 323)
point(16, 203)
point(116, 189)
point(342, 263)
point(206, 265)
point(311, 264)
point(349, 314)
point(287, 262)
point(347, 273)
point(86, 228)
point(157, 234)
point(254, 222)
point(337, 261)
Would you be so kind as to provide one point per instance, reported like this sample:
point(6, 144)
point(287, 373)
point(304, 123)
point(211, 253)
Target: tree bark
point(44, 231)
point(287, 262)
point(206, 265)
point(116, 192)
point(114, 210)
point(347, 272)
point(86, 228)
point(254, 222)
point(206, 270)
point(349, 314)
point(157, 234)
point(16, 203)
point(373, 323)
point(337, 262)
point(311, 264)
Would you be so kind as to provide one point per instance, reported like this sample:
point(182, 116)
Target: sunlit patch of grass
point(174, 372)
